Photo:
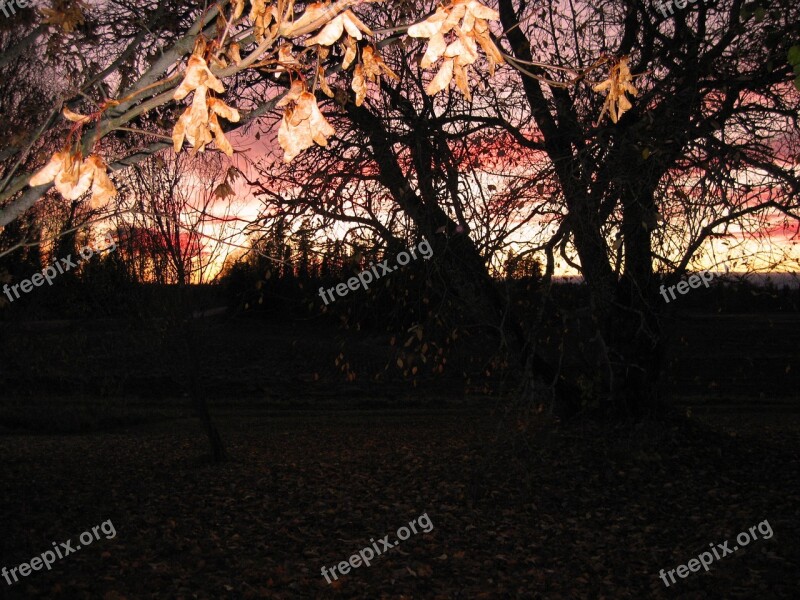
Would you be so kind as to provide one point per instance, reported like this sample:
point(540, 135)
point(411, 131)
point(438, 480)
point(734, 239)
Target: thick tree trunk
point(636, 341)
point(461, 266)
point(465, 271)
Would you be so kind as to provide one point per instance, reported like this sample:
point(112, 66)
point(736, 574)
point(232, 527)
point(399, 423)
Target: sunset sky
point(777, 242)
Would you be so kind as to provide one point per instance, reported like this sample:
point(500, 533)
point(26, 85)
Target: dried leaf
point(315, 16)
point(75, 117)
point(442, 79)
point(471, 32)
point(74, 180)
point(374, 66)
point(48, 173)
point(302, 125)
point(359, 85)
point(482, 12)
point(286, 58)
point(238, 9)
point(321, 130)
point(223, 110)
point(263, 17)
point(323, 83)
point(233, 53)
point(350, 52)
point(434, 51)
point(462, 79)
point(293, 139)
point(219, 135)
point(197, 74)
point(618, 83)
point(223, 190)
point(102, 187)
point(68, 14)
point(430, 26)
point(296, 89)
point(329, 34)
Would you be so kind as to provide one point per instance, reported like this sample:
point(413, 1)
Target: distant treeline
point(104, 287)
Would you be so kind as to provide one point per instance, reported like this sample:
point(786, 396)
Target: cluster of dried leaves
point(200, 120)
point(618, 82)
point(462, 51)
point(455, 32)
point(67, 14)
point(73, 176)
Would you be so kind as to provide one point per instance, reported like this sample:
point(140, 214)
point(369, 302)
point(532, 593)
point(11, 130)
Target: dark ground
point(519, 510)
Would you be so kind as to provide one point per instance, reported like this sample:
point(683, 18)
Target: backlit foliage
point(274, 36)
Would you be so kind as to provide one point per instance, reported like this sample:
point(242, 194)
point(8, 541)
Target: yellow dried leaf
point(286, 58)
point(323, 83)
point(314, 17)
point(198, 114)
point(359, 85)
point(75, 117)
point(430, 26)
point(66, 13)
point(293, 139)
point(263, 17)
point(329, 34)
point(374, 66)
point(461, 74)
point(219, 135)
point(197, 74)
point(179, 131)
point(74, 179)
point(482, 12)
point(436, 47)
point(354, 26)
point(238, 9)
point(48, 172)
point(350, 54)
point(619, 83)
point(200, 46)
point(102, 187)
point(302, 125)
point(468, 20)
point(297, 88)
point(481, 35)
point(233, 53)
point(195, 124)
point(321, 130)
point(442, 79)
point(301, 111)
point(457, 12)
point(464, 50)
point(223, 110)
point(257, 8)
